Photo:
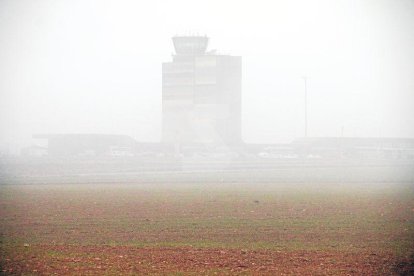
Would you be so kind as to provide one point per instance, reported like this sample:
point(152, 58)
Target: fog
point(95, 66)
point(113, 91)
point(207, 137)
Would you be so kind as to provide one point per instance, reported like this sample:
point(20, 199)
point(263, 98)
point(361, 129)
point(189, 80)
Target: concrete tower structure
point(201, 95)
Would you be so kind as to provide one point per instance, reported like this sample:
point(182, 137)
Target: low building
point(88, 144)
point(34, 151)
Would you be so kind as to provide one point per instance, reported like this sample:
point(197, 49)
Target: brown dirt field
point(211, 230)
point(42, 259)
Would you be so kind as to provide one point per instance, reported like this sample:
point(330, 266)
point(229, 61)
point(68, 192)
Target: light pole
point(306, 106)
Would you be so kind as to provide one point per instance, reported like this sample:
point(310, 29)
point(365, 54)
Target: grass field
point(207, 229)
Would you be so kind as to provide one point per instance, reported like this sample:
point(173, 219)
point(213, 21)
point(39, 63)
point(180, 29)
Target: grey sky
point(95, 66)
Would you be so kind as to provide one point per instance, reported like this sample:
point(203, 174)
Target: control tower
point(201, 95)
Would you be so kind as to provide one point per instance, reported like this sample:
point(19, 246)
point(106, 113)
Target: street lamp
point(306, 106)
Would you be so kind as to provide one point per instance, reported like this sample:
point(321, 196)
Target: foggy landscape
point(207, 138)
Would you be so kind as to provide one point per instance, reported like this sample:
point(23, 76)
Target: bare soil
point(63, 259)
point(110, 230)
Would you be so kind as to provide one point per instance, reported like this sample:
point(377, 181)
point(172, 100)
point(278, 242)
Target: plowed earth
point(130, 260)
point(269, 230)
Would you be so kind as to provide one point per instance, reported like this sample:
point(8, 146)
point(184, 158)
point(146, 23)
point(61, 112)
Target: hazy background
point(95, 66)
